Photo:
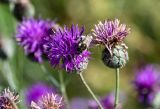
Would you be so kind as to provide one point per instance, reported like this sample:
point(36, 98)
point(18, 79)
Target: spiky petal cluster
point(64, 50)
point(8, 99)
point(30, 34)
point(145, 83)
point(50, 101)
point(35, 92)
point(110, 32)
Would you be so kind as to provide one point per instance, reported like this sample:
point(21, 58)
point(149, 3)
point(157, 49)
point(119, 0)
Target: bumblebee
point(84, 43)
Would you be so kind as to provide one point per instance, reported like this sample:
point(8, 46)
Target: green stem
point(91, 92)
point(63, 89)
point(9, 75)
point(53, 80)
point(117, 89)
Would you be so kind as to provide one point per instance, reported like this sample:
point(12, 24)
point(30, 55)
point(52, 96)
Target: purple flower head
point(35, 92)
point(110, 32)
point(106, 101)
point(30, 34)
point(145, 83)
point(64, 49)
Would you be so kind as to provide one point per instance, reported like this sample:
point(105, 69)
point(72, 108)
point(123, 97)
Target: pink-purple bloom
point(49, 101)
point(110, 32)
point(146, 83)
point(63, 49)
point(36, 91)
point(30, 34)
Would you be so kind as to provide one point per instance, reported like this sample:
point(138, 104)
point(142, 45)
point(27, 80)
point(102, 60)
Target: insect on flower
point(84, 43)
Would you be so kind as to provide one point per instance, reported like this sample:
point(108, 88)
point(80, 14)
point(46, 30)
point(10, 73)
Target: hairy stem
point(50, 77)
point(91, 92)
point(63, 89)
point(117, 90)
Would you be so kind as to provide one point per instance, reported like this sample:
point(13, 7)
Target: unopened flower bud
point(117, 57)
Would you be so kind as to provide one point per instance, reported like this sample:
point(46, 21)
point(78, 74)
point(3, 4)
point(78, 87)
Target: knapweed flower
point(145, 82)
point(106, 101)
point(35, 92)
point(67, 48)
point(30, 34)
point(8, 99)
point(50, 101)
point(111, 34)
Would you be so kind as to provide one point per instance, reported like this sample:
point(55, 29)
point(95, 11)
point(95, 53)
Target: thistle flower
point(145, 83)
point(67, 49)
point(8, 99)
point(50, 101)
point(35, 92)
point(106, 101)
point(30, 34)
point(111, 34)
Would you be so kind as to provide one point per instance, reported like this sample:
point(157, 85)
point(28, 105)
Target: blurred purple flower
point(79, 103)
point(64, 51)
point(37, 90)
point(107, 102)
point(145, 83)
point(110, 32)
point(30, 34)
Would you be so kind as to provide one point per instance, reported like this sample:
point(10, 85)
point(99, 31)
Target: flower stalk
point(91, 92)
point(50, 77)
point(117, 89)
point(63, 89)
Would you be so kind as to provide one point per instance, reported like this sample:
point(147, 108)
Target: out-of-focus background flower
point(142, 16)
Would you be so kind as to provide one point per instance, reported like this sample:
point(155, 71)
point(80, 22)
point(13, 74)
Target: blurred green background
point(142, 16)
